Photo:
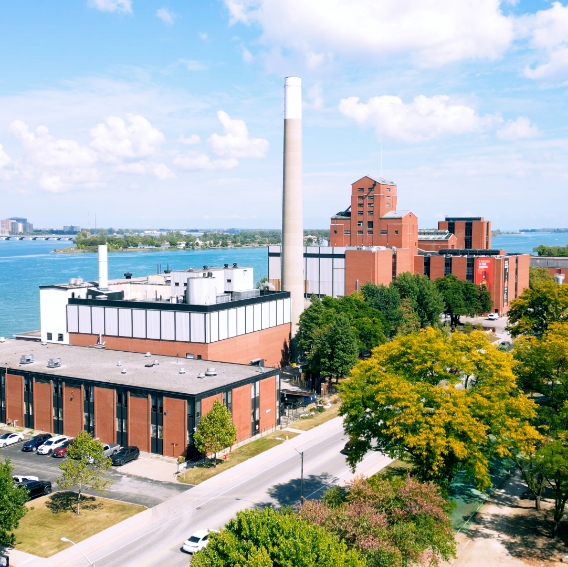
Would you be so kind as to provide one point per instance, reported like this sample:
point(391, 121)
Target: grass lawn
point(306, 423)
point(197, 475)
point(41, 530)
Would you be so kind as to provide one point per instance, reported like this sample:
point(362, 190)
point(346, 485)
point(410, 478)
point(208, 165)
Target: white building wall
point(53, 313)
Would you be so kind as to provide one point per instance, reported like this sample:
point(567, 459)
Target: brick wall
point(73, 418)
point(43, 406)
point(267, 344)
point(268, 403)
point(207, 403)
point(175, 426)
point(15, 398)
point(242, 409)
point(523, 272)
point(139, 422)
point(105, 414)
point(459, 267)
point(419, 264)
point(404, 261)
point(436, 267)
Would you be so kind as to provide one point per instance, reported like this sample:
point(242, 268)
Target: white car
point(10, 439)
point(493, 317)
point(19, 478)
point(197, 541)
point(52, 443)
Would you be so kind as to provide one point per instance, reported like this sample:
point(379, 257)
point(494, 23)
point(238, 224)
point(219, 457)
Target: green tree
point(387, 301)
point(538, 276)
point(410, 321)
point(537, 308)
point(336, 352)
point(390, 521)
point(423, 295)
point(554, 462)
point(215, 431)
point(463, 298)
point(85, 467)
point(312, 321)
point(269, 538)
point(12, 504)
point(442, 403)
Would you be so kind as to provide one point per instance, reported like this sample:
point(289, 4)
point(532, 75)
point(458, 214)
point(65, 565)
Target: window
point(49, 337)
point(370, 213)
point(360, 189)
point(370, 224)
point(371, 198)
point(360, 213)
point(72, 294)
point(177, 284)
point(383, 232)
point(388, 189)
point(60, 337)
point(369, 232)
point(388, 205)
point(371, 204)
point(360, 223)
point(388, 197)
point(347, 232)
point(361, 205)
point(361, 197)
point(359, 232)
point(396, 231)
point(371, 189)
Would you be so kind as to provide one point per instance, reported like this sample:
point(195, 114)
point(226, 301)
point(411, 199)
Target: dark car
point(35, 442)
point(125, 455)
point(60, 452)
point(36, 487)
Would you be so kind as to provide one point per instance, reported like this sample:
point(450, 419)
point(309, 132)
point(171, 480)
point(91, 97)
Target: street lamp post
point(66, 539)
point(301, 453)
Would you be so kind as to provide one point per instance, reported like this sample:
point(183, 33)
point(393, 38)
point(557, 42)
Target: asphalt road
point(126, 488)
point(272, 478)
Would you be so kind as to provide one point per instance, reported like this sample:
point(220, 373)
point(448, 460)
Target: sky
point(170, 114)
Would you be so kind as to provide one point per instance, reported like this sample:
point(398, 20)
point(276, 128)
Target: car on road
point(10, 439)
point(493, 317)
point(18, 478)
point(35, 442)
point(125, 455)
point(51, 444)
point(61, 451)
point(111, 449)
point(36, 487)
point(197, 541)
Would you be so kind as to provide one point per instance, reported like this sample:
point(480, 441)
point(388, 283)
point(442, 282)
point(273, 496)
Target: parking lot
point(135, 490)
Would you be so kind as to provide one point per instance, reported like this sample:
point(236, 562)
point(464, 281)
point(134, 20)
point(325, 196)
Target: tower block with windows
point(372, 218)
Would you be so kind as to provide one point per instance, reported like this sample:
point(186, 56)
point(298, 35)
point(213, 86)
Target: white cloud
point(158, 170)
point(202, 35)
point(115, 140)
point(203, 161)
point(112, 5)
point(315, 97)
point(247, 55)
point(7, 167)
point(5, 161)
point(432, 32)
point(191, 140)
point(548, 33)
point(423, 119)
point(165, 15)
point(518, 129)
point(235, 143)
point(46, 151)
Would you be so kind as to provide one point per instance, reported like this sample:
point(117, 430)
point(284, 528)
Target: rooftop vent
point(128, 275)
point(73, 281)
point(147, 355)
point(201, 375)
point(26, 358)
point(119, 363)
point(235, 265)
point(79, 281)
point(54, 363)
point(2, 340)
point(225, 265)
point(101, 297)
point(156, 363)
point(211, 372)
point(182, 370)
point(205, 267)
point(123, 371)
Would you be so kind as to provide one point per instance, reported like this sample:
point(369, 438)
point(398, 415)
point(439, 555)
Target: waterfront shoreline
point(74, 250)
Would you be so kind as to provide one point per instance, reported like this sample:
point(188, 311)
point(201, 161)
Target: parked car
point(125, 455)
point(61, 451)
point(20, 478)
point(493, 317)
point(36, 487)
point(111, 449)
point(51, 444)
point(10, 439)
point(35, 442)
point(197, 541)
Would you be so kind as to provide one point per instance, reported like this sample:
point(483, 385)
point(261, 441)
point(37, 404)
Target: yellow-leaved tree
point(443, 403)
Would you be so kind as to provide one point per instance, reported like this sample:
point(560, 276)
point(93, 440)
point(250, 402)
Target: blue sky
point(169, 114)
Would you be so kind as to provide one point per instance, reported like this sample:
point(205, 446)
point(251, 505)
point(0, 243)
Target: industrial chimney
point(103, 267)
point(292, 208)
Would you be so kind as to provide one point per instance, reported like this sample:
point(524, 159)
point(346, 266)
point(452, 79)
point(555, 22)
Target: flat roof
point(100, 365)
point(395, 214)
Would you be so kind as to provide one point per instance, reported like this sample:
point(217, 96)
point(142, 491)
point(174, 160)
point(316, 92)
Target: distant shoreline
point(75, 250)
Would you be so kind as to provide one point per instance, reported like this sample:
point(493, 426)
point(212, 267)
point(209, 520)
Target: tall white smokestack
point(292, 207)
point(103, 266)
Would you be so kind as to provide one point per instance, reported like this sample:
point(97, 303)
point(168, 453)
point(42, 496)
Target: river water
point(27, 264)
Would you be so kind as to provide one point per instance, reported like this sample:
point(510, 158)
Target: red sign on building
point(484, 272)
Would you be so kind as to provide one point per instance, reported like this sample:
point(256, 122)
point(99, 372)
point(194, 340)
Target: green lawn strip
point(309, 422)
point(41, 530)
point(197, 475)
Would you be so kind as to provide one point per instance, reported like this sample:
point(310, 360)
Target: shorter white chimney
point(103, 266)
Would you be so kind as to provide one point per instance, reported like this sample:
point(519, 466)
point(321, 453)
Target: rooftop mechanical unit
point(26, 358)
point(54, 363)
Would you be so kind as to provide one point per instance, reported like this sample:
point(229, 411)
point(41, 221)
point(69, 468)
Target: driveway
point(133, 489)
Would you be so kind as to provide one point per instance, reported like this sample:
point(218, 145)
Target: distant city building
point(71, 229)
point(17, 225)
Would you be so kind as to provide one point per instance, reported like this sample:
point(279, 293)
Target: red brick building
point(472, 233)
point(152, 402)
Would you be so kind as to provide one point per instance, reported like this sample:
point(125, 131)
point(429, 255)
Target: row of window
point(59, 337)
point(371, 189)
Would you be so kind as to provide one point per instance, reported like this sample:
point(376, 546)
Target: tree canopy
point(538, 276)
point(85, 467)
point(12, 504)
point(463, 298)
point(442, 403)
point(215, 431)
point(537, 308)
point(269, 538)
